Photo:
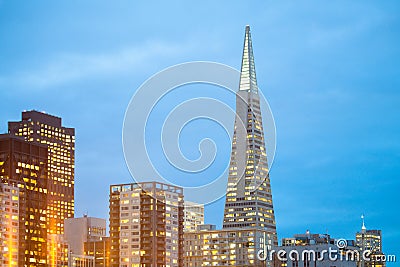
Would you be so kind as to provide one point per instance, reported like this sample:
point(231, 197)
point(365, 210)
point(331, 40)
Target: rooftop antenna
point(363, 228)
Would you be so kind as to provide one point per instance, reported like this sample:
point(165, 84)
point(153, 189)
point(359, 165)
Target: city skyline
point(331, 139)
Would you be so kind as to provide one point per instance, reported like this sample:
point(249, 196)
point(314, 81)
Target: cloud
point(69, 67)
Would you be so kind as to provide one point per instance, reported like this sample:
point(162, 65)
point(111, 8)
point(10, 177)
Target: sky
point(329, 70)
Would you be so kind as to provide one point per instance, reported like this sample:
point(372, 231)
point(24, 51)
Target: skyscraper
point(24, 165)
point(249, 221)
point(42, 128)
point(308, 250)
point(249, 198)
point(370, 240)
point(146, 225)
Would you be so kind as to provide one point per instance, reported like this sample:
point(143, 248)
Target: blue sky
point(330, 71)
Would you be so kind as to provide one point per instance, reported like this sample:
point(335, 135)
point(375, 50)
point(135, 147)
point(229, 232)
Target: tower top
point(248, 80)
point(363, 228)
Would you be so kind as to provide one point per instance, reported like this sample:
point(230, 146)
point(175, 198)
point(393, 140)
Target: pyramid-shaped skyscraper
point(249, 198)
point(249, 230)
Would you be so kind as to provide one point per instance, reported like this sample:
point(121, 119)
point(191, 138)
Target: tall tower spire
point(248, 79)
point(249, 199)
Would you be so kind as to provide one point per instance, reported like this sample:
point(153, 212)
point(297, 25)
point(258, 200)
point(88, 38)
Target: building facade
point(146, 225)
point(194, 216)
point(24, 165)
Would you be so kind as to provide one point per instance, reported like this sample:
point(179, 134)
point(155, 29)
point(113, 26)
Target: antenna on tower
point(363, 228)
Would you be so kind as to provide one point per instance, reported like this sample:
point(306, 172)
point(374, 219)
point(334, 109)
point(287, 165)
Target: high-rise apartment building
point(146, 225)
point(249, 198)
point(42, 128)
point(9, 223)
point(24, 165)
point(194, 216)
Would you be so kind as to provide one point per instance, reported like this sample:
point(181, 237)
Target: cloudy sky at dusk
point(329, 70)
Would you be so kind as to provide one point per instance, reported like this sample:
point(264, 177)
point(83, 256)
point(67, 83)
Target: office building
point(249, 220)
point(24, 165)
point(249, 198)
point(194, 216)
point(146, 225)
point(81, 230)
point(371, 240)
point(41, 128)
